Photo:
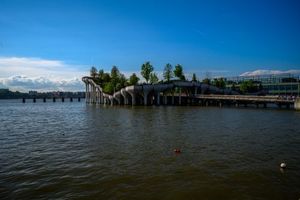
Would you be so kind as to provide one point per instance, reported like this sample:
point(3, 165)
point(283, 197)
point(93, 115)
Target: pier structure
point(174, 93)
point(44, 99)
point(180, 93)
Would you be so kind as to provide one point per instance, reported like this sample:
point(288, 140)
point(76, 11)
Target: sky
point(50, 44)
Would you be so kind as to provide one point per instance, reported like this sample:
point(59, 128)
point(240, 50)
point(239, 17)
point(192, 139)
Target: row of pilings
point(54, 99)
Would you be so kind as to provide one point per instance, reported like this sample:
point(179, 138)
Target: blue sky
point(225, 38)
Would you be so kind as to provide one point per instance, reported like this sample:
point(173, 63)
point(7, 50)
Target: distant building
point(32, 92)
point(284, 84)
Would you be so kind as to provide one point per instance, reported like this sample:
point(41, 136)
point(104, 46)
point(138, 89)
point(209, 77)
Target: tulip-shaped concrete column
point(86, 92)
point(146, 90)
point(125, 96)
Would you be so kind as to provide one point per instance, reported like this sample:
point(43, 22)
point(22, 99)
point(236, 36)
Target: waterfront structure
point(283, 84)
point(178, 93)
point(174, 92)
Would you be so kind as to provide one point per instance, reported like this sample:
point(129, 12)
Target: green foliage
point(194, 78)
point(206, 81)
point(146, 70)
point(168, 73)
point(115, 75)
point(106, 77)
point(219, 82)
point(110, 82)
point(233, 87)
point(122, 82)
point(178, 72)
point(108, 88)
point(153, 78)
point(247, 86)
point(93, 72)
point(133, 79)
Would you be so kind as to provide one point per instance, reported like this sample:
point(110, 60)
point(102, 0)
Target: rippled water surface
point(78, 151)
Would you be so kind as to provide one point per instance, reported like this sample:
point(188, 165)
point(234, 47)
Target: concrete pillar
point(173, 98)
point(86, 92)
point(297, 103)
point(133, 96)
point(165, 99)
point(101, 98)
point(94, 94)
point(179, 96)
point(125, 96)
point(145, 98)
point(158, 98)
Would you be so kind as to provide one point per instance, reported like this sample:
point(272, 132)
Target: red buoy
point(177, 150)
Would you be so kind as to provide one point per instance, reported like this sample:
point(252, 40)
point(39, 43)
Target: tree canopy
point(219, 82)
point(194, 78)
point(168, 73)
point(93, 72)
point(178, 72)
point(133, 79)
point(146, 70)
point(153, 78)
point(114, 81)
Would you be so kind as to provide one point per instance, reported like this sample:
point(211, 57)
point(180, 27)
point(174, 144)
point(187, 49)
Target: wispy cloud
point(262, 72)
point(23, 73)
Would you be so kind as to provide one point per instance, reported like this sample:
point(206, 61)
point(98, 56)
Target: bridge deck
point(271, 99)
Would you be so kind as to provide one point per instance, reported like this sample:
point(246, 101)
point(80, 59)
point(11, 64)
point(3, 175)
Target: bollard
point(34, 100)
point(78, 99)
point(54, 100)
point(62, 99)
point(23, 100)
point(71, 99)
point(44, 100)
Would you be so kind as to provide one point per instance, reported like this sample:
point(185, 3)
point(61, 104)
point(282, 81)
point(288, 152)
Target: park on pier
point(176, 89)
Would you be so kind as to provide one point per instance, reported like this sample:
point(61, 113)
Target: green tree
point(100, 76)
point(133, 79)
point(178, 72)
point(115, 75)
point(93, 72)
point(106, 78)
point(233, 87)
point(206, 81)
point(194, 78)
point(247, 86)
point(168, 73)
point(121, 83)
point(146, 70)
point(153, 78)
point(108, 88)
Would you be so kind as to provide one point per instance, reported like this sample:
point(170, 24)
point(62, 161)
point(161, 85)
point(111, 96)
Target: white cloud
point(33, 67)
point(23, 74)
point(23, 83)
point(262, 72)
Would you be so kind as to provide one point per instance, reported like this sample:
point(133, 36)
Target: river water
point(72, 150)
